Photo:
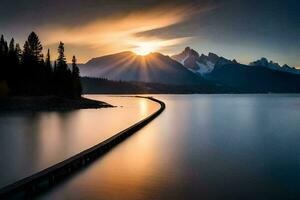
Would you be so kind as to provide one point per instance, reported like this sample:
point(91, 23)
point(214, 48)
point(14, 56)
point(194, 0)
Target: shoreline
point(48, 103)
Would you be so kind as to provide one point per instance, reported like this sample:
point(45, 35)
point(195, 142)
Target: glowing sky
point(242, 29)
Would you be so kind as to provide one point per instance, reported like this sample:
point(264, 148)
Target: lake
point(200, 147)
point(31, 142)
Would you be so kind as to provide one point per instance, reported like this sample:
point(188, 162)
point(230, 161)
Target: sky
point(244, 30)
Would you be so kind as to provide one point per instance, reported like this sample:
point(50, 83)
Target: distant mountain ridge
point(255, 79)
point(127, 66)
point(263, 62)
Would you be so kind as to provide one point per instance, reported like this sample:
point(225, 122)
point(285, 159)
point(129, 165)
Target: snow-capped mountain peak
point(202, 64)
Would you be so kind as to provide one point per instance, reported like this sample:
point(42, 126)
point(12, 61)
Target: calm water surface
point(31, 142)
point(200, 147)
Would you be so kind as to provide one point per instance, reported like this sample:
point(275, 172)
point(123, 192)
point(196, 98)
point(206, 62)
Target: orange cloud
point(119, 33)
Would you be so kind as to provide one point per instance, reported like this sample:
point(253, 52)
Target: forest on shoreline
point(27, 73)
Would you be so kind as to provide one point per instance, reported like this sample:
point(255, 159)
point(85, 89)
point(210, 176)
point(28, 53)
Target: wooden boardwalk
point(49, 176)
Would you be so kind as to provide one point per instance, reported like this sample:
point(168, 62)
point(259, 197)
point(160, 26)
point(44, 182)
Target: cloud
point(118, 33)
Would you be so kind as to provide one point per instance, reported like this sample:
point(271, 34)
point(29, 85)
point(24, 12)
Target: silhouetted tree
point(48, 60)
point(63, 76)
point(3, 46)
point(2, 43)
point(16, 76)
point(77, 89)
point(61, 60)
point(49, 75)
point(4, 58)
point(34, 78)
point(26, 53)
point(11, 49)
point(12, 64)
point(13, 54)
point(75, 69)
point(18, 53)
point(35, 47)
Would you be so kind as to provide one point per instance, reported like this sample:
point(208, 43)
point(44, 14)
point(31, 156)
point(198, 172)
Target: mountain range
point(127, 66)
point(203, 64)
point(261, 76)
point(190, 68)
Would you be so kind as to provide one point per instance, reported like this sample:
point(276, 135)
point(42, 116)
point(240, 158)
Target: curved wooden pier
point(49, 176)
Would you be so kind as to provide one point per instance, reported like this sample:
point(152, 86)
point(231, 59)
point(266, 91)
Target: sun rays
point(145, 48)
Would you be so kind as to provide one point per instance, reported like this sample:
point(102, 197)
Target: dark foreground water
point(31, 142)
point(202, 147)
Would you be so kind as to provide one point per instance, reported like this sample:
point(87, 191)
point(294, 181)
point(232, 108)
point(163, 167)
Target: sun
point(144, 48)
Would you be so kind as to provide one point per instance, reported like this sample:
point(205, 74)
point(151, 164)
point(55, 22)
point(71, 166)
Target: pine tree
point(18, 53)
point(75, 70)
point(17, 71)
point(11, 49)
point(2, 47)
point(77, 89)
point(49, 73)
point(14, 75)
point(26, 54)
point(3, 58)
point(5, 48)
point(63, 76)
point(48, 61)
point(13, 53)
point(11, 63)
point(33, 65)
point(35, 47)
point(61, 60)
